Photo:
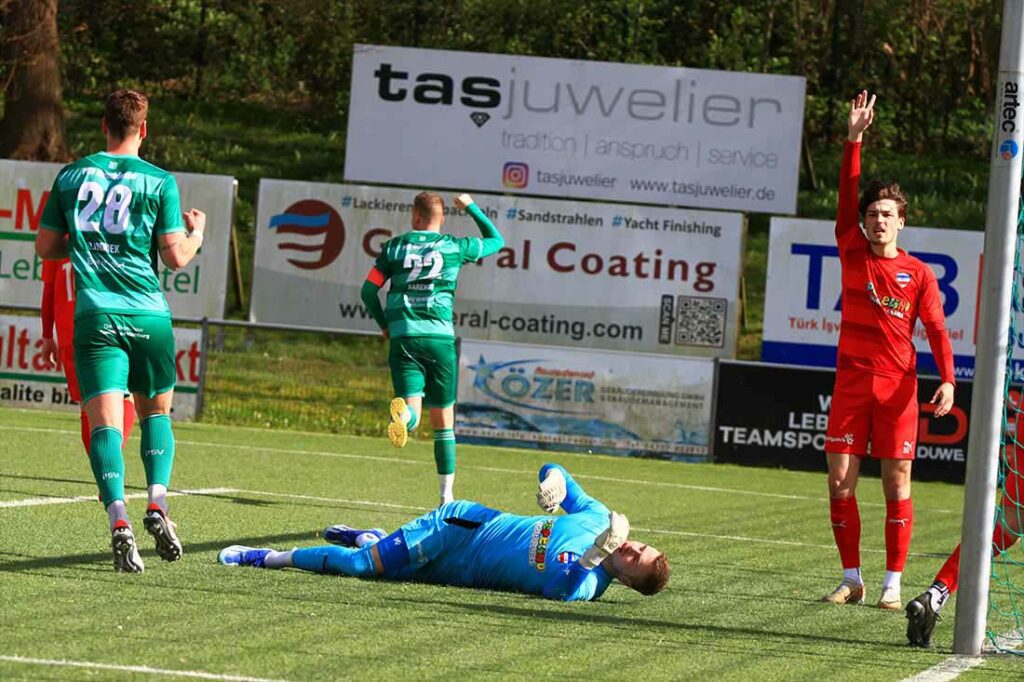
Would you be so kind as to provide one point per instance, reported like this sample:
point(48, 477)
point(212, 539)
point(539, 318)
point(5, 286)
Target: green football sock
point(414, 419)
point(157, 449)
point(107, 463)
point(444, 451)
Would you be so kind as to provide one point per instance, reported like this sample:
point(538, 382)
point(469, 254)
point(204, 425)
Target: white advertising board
point(635, 278)
point(562, 399)
point(26, 382)
point(618, 132)
point(196, 290)
point(801, 313)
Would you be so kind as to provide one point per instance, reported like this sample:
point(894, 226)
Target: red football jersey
point(58, 278)
point(883, 297)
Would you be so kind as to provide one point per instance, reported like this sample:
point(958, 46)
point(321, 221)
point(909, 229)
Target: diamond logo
point(480, 118)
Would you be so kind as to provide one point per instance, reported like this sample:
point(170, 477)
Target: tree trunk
point(33, 122)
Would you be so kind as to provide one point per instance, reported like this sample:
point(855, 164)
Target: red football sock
point(86, 432)
point(949, 574)
point(846, 529)
point(129, 419)
point(1002, 539)
point(899, 525)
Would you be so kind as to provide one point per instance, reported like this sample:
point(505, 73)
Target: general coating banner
point(531, 125)
point(197, 290)
point(634, 278)
point(25, 381)
point(561, 399)
point(801, 311)
point(776, 416)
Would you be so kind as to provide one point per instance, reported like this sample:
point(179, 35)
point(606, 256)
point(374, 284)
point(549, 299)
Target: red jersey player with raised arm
point(57, 309)
point(874, 404)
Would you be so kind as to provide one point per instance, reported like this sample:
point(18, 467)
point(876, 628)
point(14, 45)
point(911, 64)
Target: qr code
point(701, 321)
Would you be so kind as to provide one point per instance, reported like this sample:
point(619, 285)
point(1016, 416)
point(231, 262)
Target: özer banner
point(561, 399)
point(801, 316)
point(632, 278)
point(558, 127)
point(25, 382)
point(196, 290)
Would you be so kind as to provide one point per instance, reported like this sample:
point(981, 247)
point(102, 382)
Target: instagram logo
point(515, 175)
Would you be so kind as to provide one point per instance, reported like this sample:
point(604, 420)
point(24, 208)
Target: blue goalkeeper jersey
point(530, 554)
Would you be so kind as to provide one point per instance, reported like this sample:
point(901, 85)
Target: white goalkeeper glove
point(551, 491)
point(607, 542)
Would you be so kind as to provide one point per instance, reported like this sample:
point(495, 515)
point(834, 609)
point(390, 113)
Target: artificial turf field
point(751, 551)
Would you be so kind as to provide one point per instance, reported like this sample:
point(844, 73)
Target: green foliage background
point(931, 61)
point(261, 89)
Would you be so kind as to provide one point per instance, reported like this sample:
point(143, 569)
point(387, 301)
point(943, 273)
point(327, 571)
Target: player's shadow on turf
point(32, 563)
point(585, 616)
point(51, 479)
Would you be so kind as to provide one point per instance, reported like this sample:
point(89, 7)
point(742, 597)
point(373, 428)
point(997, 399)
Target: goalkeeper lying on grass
point(567, 558)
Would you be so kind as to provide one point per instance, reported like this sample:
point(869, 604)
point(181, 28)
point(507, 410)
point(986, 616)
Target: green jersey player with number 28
point(423, 267)
point(109, 212)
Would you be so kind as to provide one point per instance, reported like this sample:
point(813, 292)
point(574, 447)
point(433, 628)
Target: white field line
point(954, 666)
point(525, 472)
point(61, 663)
point(949, 669)
point(42, 501)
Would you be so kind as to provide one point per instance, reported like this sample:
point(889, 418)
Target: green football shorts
point(125, 353)
point(425, 366)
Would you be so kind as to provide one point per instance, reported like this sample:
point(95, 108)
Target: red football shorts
point(67, 363)
point(873, 409)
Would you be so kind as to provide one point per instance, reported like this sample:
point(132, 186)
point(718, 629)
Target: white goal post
point(993, 337)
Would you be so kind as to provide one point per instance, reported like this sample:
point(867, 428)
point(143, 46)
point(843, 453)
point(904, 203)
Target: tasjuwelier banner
point(609, 276)
point(531, 125)
point(777, 415)
point(801, 311)
point(584, 400)
point(25, 381)
point(196, 290)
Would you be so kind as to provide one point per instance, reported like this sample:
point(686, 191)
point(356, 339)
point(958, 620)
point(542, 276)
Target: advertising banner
point(25, 381)
point(801, 311)
point(588, 275)
point(583, 400)
point(197, 290)
point(776, 416)
point(558, 127)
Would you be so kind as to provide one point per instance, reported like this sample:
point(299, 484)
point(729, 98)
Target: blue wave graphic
point(296, 220)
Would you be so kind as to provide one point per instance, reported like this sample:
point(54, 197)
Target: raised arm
point(491, 240)
point(177, 249)
point(862, 113)
point(934, 320)
point(558, 488)
point(369, 294)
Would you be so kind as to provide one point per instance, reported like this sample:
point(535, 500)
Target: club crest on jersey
point(903, 279)
point(568, 557)
point(539, 540)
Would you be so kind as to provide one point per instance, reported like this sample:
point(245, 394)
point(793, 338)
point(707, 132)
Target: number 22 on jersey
point(416, 263)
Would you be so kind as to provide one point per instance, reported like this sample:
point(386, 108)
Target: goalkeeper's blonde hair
point(655, 581)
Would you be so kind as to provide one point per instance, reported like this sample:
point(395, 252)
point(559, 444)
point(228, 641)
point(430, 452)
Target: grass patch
point(747, 568)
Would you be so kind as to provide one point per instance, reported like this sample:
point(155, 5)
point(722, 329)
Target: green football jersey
point(112, 206)
point(423, 268)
